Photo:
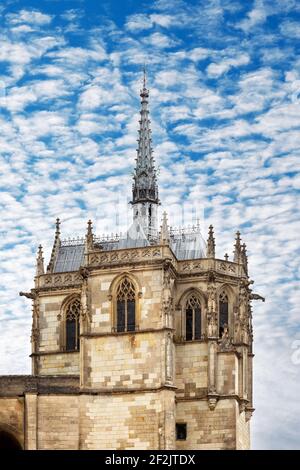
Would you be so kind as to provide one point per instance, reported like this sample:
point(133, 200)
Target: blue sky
point(224, 77)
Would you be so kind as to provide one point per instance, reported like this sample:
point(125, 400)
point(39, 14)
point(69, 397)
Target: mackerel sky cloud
point(224, 79)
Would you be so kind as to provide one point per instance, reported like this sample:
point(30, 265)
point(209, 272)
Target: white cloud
point(255, 17)
point(218, 69)
point(162, 20)
point(199, 53)
point(141, 22)
point(291, 29)
point(29, 16)
point(160, 40)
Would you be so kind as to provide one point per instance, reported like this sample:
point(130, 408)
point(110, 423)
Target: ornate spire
point(40, 262)
point(144, 189)
point(211, 246)
point(145, 182)
point(55, 247)
point(164, 230)
point(244, 257)
point(237, 248)
point(89, 237)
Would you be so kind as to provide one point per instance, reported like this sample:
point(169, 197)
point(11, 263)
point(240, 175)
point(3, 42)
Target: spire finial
point(55, 248)
point(144, 77)
point(40, 262)
point(89, 227)
point(89, 234)
point(57, 225)
point(237, 248)
point(164, 232)
point(211, 246)
point(89, 240)
point(244, 257)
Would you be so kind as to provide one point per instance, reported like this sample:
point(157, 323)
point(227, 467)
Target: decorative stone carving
point(212, 317)
point(212, 327)
point(35, 334)
point(28, 295)
point(226, 267)
point(242, 406)
point(85, 301)
point(156, 253)
point(169, 358)
point(167, 293)
point(225, 343)
point(248, 413)
point(212, 401)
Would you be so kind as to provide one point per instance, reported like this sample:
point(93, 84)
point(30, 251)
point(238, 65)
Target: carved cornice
point(127, 333)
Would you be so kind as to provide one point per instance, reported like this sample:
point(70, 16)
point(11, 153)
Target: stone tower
point(138, 342)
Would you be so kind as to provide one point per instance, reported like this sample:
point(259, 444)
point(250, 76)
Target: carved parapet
point(227, 267)
point(60, 279)
point(205, 264)
point(193, 266)
point(130, 255)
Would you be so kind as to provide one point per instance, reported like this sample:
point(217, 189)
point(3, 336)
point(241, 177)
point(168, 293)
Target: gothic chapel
point(142, 341)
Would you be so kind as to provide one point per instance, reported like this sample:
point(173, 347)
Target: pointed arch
point(125, 292)
point(10, 439)
point(186, 293)
point(192, 307)
point(226, 297)
point(70, 323)
point(117, 279)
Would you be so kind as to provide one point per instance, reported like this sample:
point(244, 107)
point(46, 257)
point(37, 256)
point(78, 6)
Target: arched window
point(192, 318)
point(126, 306)
point(8, 441)
point(223, 313)
point(73, 325)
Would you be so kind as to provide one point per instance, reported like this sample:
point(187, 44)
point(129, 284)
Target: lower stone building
point(138, 342)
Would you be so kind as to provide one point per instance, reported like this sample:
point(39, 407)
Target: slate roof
point(185, 247)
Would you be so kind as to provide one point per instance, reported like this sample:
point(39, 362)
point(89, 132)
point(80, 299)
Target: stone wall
point(49, 309)
point(227, 373)
point(191, 369)
point(242, 431)
point(124, 361)
point(128, 421)
point(63, 363)
point(58, 422)
point(207, 429)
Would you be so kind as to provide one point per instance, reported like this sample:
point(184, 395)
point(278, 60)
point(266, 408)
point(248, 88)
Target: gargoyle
point(257, 297)
point(28, 295)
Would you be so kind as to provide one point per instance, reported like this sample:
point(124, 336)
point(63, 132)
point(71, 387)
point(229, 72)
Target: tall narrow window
point(223, 313)
point(192, 319)
point(73, 326)
point(126, 306)
point(181, 432)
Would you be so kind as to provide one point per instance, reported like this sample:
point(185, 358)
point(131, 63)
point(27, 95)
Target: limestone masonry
point(138, 342)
